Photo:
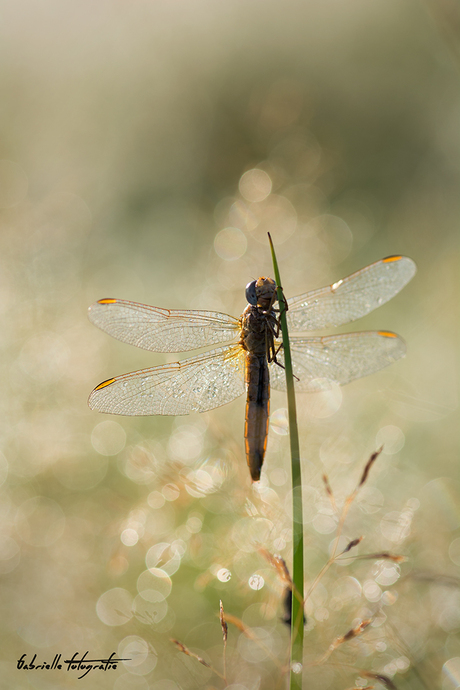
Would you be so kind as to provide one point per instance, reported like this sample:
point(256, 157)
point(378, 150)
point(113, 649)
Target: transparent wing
point(352, 297)
point(194, 385)
point(162, 330)
point(340, 358)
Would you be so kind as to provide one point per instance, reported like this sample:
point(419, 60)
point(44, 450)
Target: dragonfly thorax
point(256, 328)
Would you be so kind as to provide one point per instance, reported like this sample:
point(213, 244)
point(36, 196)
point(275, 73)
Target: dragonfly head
point(261, 292)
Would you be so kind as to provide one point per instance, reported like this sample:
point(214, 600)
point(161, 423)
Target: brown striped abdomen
point(257, 410)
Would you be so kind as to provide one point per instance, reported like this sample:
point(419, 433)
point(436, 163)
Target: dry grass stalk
point(283, 572)
point(350, 635)
point(182, 648)
point(382, 556)
point(437, 578)
point(384, 680)
point(380, 677)
point(349, 500)
point(368, 466)
point(280, 566)
point(238, 623)
point(354, 632)
point(351, 545)
point(363, 479)
point(224, 626)
point(329, 493)
point(185, 650)
point(223, 622)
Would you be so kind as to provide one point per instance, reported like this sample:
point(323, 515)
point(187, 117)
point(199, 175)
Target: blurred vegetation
point(127, 129)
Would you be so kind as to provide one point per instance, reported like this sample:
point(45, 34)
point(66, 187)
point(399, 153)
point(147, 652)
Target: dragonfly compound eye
point(251, 294)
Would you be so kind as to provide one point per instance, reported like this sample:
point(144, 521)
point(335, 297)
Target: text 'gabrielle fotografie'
point(83, 664)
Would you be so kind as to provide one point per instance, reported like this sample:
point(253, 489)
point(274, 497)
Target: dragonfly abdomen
point(257, 411)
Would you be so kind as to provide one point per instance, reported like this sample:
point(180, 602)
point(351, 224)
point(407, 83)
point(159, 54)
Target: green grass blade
point(297, 625)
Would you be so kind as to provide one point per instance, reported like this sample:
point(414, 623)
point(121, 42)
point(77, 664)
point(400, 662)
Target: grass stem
point(297, 613)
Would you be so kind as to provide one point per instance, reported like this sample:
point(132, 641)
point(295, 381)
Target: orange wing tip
point(107, 301)
point(385, 334)
point(104, 384)
point(389, 259)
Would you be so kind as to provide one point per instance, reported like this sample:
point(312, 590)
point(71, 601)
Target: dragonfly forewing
point(193, 385)
point(339, 359)
point(217, 377)
point(351, 298)
point(162, 330)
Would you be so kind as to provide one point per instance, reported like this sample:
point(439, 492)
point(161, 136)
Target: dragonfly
point(253, 356)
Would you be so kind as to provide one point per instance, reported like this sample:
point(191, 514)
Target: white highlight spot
point(224, 575)
point(256, 582)
point(396, 526)
point(324, 524)
point(326, 401)
point(279, 421)
point(451, 674)
point(114, 607)
point(255, 185)
point(372, 591)
point(108, 438)
point(129, 537)
point(230, 244)
point(391, 438)
point(454, 551)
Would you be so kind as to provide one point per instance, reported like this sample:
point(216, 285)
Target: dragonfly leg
point(284, 308)
point(274, 325)
point(275, 361)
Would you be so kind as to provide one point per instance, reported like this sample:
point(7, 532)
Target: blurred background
point(146, 150)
